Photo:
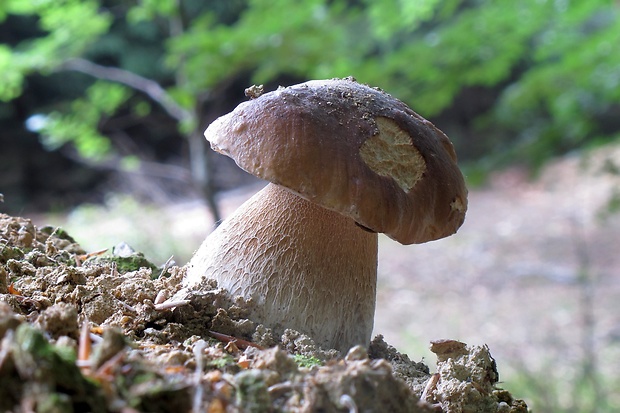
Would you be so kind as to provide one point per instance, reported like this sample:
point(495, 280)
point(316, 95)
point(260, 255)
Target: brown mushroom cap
point(352, 149)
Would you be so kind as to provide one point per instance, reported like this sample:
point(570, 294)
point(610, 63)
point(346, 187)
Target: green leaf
point(11, 77)
point(80, 126)
point(106, 97)
point(151, 9)
point(388, 17)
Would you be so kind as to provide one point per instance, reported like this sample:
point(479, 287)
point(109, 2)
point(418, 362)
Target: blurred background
point(103, 104)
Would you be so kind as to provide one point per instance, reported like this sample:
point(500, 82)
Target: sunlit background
point(103, 104)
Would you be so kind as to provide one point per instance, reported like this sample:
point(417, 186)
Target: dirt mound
point(92, 332)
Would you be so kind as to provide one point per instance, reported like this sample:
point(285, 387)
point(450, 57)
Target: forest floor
point(534, 273)
point(99, 332)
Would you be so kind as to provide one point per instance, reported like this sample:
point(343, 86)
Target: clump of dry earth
point(91, 332)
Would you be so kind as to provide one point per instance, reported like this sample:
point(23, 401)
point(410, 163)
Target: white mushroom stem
point(306, 267)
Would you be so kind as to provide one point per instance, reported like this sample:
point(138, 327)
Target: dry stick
point(199, 348)
point(84, 347)
point(128, 307)
point(242, 344)
point(198, 157)
point(348, 402)
point(283, 387)
point(171, 304)
point(105, 370)
point(166, 266)
point(147, 168)
point(5, 345)
point(431, 385)
point(134, 81)
point(161, 297)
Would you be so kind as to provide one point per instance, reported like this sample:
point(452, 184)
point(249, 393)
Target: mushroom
point(345, 161)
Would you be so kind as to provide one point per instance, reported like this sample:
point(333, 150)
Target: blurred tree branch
point(149, 87)
point(199, 165)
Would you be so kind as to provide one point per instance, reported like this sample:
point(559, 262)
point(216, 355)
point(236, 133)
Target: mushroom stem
point(305, 267)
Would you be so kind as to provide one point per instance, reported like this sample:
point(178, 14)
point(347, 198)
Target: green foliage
point(561, 101)
point(222, 363)
point(124, 264)
point(80, 124)
point(306, 361)
point(10, 78)
point(478, 46)
point(268, 39)
point(60, 384)
point(391, 15)
point(550, 68)
point(151, 9)
point(66, 36)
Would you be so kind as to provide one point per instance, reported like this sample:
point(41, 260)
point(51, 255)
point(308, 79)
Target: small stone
point(357, 353)
point(448, 347)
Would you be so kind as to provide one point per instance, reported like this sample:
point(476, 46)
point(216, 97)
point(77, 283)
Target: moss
point(222, 363)
point(8, 252)
point(58, 233)
point(306, 361)
point(60, 384)
point(252, 392)
point(127, 264)
point(156, 371)
point(148, 391)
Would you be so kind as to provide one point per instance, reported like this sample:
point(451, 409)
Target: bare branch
point(151, 88)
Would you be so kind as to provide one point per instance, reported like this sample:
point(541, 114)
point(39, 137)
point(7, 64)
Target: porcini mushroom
point(345, 161)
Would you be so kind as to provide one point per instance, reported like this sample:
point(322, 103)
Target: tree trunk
point(201, 172)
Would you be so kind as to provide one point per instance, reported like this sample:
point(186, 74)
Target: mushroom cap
point(352, 149)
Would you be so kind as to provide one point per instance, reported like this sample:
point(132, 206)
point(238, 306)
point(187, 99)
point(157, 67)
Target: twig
point(199, 348)
point(84, 348)
point(431, 385)
point(242, 344)
point(149, 87)
point(161, 297)
point(348, 402)
point(128, 307)
point(171, 304)
point(166, 266)
point(283, 387)
point(146, 168)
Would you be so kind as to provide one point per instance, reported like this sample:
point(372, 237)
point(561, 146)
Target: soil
point(92, 331)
